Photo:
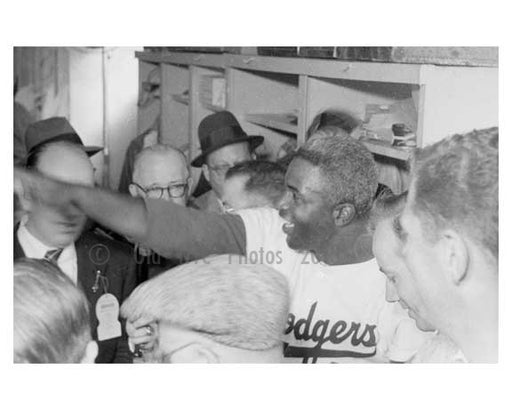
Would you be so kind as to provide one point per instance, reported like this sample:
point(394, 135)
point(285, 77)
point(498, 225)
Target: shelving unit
point(278, 97)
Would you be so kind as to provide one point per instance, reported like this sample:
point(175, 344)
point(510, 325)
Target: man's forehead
point(162, 166)
point(232, 152)
point(66, 163)
point(236, 182)
point(386, 238)
point(304, 176)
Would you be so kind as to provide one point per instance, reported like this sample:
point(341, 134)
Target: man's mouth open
point(288, 227)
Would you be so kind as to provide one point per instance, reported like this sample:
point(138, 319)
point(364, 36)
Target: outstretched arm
point(169, 229)
point(121, 213)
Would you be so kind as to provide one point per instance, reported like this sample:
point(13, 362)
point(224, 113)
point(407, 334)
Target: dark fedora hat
point(218, 130)
point(54, 129)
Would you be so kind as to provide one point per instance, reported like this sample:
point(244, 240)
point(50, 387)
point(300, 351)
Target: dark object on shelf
point(400, 130)
point(278, 51)
point(458, 56)
point(317, 52)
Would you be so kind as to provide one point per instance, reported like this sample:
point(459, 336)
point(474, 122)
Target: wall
point(69, 82)
point(86, 104)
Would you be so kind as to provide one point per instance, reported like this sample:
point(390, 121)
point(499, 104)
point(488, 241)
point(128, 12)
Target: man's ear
point(195, 352)
point(24, 203)
point(206, 172)
point(133, 190)
point(343, 214)
point(455, 256)
point(91, 351)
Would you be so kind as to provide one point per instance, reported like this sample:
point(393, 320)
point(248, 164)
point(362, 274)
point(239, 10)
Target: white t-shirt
point(338, 313)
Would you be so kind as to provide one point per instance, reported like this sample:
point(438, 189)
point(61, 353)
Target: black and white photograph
point(253, 211)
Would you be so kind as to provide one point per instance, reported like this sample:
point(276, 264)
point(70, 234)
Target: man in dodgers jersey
point(318, 240)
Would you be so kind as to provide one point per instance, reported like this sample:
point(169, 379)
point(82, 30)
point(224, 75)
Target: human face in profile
point(425, 258)
point(306, 209)
point(400, 284)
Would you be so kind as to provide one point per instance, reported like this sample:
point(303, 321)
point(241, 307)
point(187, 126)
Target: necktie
point(53, 255)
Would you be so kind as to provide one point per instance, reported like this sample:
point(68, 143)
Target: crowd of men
point(277, 262)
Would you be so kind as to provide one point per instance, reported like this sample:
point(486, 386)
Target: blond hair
point(236, 304)
point(51, 315)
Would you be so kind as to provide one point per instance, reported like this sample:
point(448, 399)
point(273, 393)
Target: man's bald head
point(160, 166)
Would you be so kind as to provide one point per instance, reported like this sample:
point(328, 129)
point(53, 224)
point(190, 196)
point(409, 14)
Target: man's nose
point(284, 207)
point(391, 293)
point(285, 201)
point(166, 196)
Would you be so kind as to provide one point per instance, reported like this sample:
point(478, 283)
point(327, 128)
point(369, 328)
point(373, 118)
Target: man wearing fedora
point(223, 144)
point(103, 268)
point(318, 240)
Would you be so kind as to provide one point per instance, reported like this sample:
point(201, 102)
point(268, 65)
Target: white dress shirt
point(34, 248)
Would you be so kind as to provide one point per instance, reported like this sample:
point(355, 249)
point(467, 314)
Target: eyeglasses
point(174, 191)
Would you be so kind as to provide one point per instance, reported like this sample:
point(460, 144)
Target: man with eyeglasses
point(160, 172)
point(223, 144)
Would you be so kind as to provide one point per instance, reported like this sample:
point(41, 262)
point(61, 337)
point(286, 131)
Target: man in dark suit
point(103, 268)
point(223, 144)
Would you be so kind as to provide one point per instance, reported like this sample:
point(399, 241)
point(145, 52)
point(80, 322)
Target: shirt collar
point(34, 248)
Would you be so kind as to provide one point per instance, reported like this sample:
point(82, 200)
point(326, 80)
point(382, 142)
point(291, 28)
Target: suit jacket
point(116, 262)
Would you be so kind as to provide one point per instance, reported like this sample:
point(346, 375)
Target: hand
point(141, 332)
point(36, 188)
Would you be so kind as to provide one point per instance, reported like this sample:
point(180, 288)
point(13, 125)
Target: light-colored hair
point(456, 186)
point(264, 178)
point(51, 315)
point(161, 149)
point(349, 168)
point(387, 205)
point(334, 123)
point(234, 303)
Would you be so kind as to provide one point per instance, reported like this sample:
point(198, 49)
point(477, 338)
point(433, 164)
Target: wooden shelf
point(183, 99)
point(348, 70)
point(198, 59)
point(383, 148)
point(211, 107)
point(284, 94)
point(282, 122)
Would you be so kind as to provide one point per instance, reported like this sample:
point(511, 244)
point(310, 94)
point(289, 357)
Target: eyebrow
point(398, 229)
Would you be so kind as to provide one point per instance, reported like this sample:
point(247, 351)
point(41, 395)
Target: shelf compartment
point(183, 99)
point(283, 122)
point(384, 149)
